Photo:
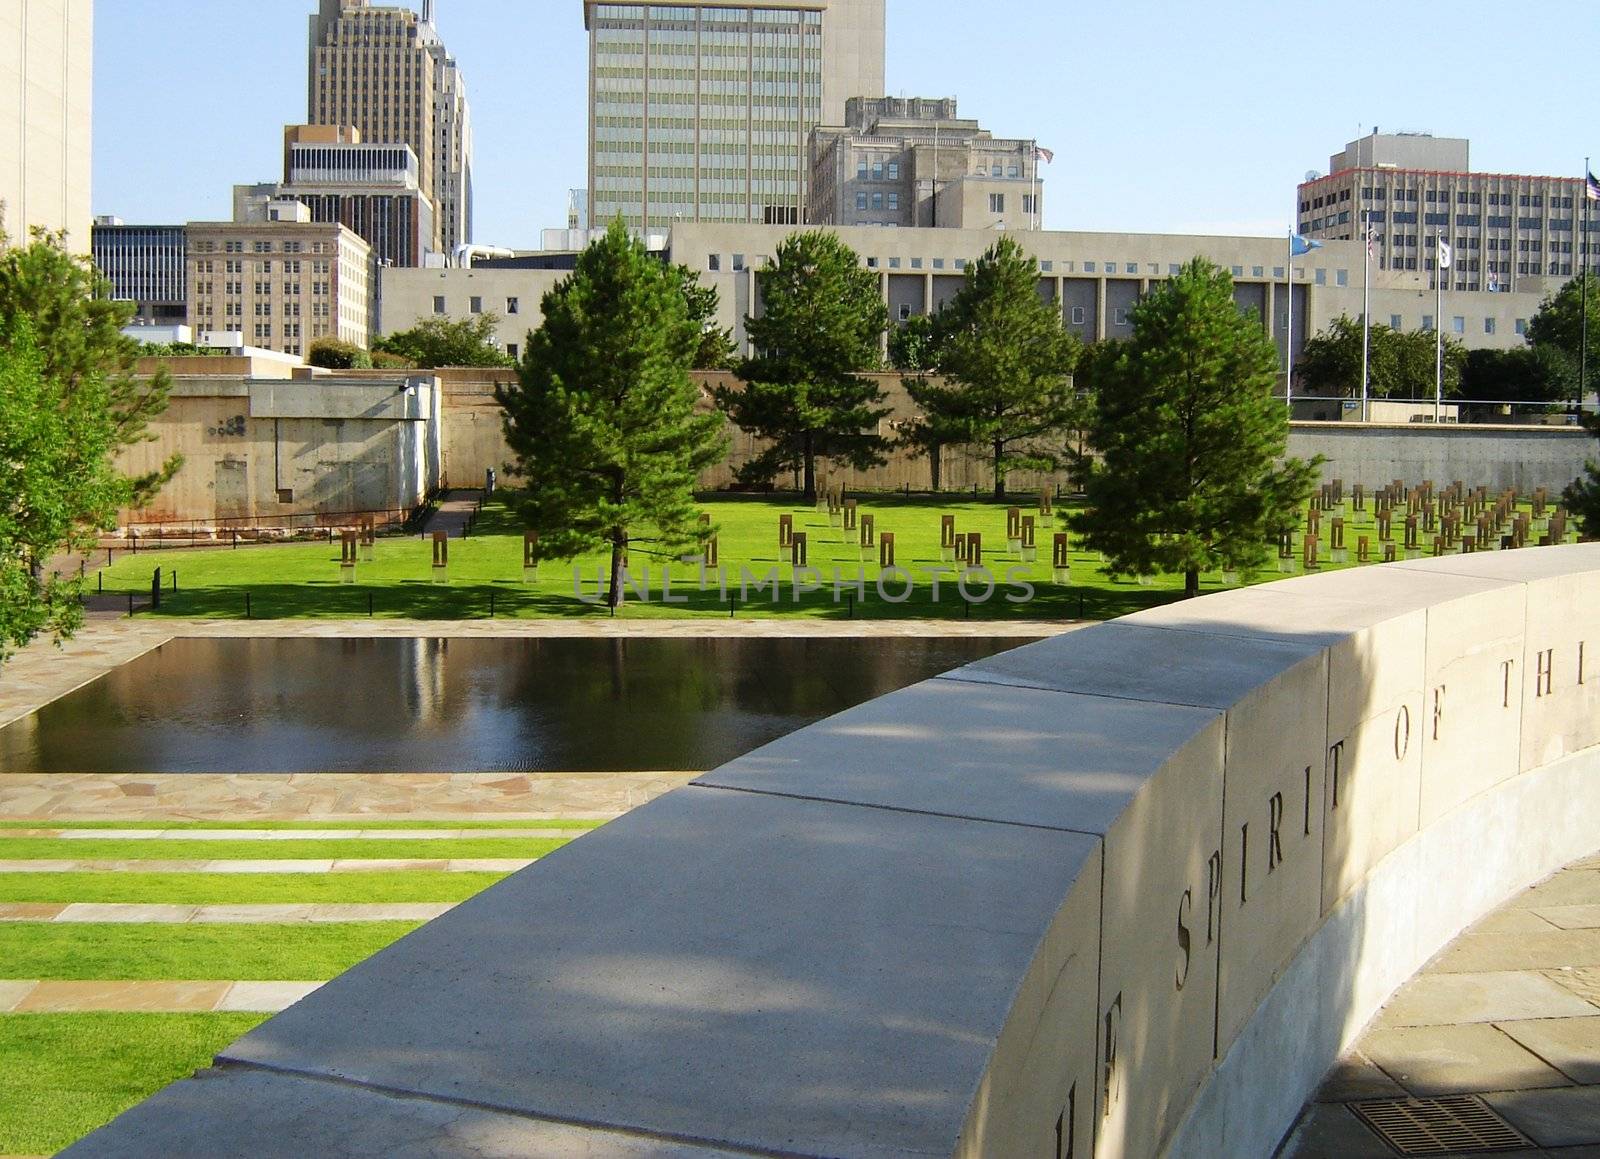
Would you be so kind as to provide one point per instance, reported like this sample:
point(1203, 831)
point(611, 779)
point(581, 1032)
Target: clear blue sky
point(1164, 115)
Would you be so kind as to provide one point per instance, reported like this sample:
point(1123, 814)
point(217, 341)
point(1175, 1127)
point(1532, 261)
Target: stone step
point(276, 865)
point(268, 913)
point(35, 997)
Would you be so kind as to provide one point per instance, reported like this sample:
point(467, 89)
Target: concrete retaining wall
point(1123, 893)
point(1526, 458)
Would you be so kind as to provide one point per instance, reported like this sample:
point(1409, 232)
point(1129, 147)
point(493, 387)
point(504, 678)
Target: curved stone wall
point(1126, 892)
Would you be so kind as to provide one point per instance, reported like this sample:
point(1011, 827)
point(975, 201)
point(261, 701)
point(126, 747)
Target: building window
point(738, 262)
point(1395, 321)
point(894, 201)
point(512, 349)
point(861, 169)
point(475, 304)
point(513, 306)
point(1488, 325)
point(714, 262)
point(1459, 325)
point(438, 304)
point(861, 200)
point(1341, 277)
point(894, 170)
point(877, 201)
point(1119, 316)
point(1522, 326)
point(877, 170)
point(905, 311)
point(916, 263)
point(1080, 316)
point(997, 203)
point(894, 263)
point(1427, 323)
point(938, 263)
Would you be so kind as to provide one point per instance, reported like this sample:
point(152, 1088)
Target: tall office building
point(146, 265)
point(1506, 231)
point(385, 71)
point(704, 111)
point(910, 161)
point(46, 59)
point(373, 189)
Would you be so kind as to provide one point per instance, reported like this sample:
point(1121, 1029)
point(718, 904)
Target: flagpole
point(1438, 329)
point(1038, 210)
point(1288, 338)
point(1585, 269)
point(1366, 316)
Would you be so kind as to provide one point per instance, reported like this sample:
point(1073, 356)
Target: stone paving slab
point(293, 834)
point(338, 799)
point(1571, 917)
point(1571, 1045)
point(1444, 1060)
point(1582, 981)
point(283, 865)
point(1445, 999)
point(35, 997)
point(1478, 953)
point(1552, 1118)
point(263, 913)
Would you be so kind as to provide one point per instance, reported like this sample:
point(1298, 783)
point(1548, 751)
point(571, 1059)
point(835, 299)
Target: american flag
point(1591, 188)
point(1372, 240)
point(1040, 153)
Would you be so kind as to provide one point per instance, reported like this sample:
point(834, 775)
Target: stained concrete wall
point(268, 449)
point(1526, 458)
point(1123, 893)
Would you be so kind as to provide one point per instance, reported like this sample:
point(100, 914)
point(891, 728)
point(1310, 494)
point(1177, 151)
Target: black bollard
point(247, 605)
point(369, 605)
point(130, 603)
point(155, 590)
point(491, 605)
point(100, 583)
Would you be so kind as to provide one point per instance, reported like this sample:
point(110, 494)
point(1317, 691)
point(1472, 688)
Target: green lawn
point(63, 1075)
point(243, 888)
point(177, 849)
point(359, 823)
point(133, 952)
point(303, 579)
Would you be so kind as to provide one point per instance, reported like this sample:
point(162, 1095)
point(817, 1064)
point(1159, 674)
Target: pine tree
point(1191, 474)
point(821, 325)
point(603, 421)
point(1006, 363)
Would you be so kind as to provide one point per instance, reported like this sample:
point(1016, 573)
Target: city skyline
point(1173, 162)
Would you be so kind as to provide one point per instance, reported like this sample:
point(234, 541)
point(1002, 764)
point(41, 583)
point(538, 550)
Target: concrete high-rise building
point(146, 265)
point(282, 282)
point(373, 189)
point(1506, 231)
point(46, 61)
point(384, 70)
point(704, 111)
point(898, 161)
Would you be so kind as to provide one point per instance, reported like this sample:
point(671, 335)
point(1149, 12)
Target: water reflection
point(362, 705)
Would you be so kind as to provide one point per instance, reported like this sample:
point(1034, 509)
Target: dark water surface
point(567, 705)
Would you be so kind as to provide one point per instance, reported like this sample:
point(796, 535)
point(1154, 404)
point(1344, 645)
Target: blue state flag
point(1302, 245)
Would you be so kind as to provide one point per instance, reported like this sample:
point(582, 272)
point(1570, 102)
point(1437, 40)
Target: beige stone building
point(512, 295)
point(384, 69)
point(281, 283)
point(911, 161)
point(703, 111)
point(1506, 231)
point(46, 62)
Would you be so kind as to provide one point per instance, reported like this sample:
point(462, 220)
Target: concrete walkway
point(1496, 1042)
point(452, 515)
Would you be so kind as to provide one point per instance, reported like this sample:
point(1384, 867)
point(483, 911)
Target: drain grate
point(1456, 1125)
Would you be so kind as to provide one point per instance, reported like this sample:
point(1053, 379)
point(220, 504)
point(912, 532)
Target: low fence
point(1126, 893)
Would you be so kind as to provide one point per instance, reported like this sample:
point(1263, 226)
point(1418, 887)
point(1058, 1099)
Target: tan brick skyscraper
point(385, 71)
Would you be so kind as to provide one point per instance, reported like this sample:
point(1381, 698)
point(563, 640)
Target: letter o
point(1402, 733)
point(897, 575)
point(982, 573)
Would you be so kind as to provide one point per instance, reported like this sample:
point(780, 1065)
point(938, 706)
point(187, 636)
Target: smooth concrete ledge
point(1127, 892)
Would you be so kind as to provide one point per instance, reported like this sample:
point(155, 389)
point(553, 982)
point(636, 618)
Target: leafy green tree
point(1559, 321)
point(1400, 363)
point(69, 402)
point(603, 420)
point(821, 324)
point(913, 352)
point(435, 342)
point(715, 351)
point(337, 354)
point(1191, 474)
point(1005, 363)
point(1527, 374)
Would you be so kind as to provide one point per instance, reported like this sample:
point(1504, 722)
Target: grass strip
point(290, 826)
point(64, 1075)
point(177, 849)
point(243, 888)
point(182, 953)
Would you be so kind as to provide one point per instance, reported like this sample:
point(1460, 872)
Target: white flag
point(1444, 254)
